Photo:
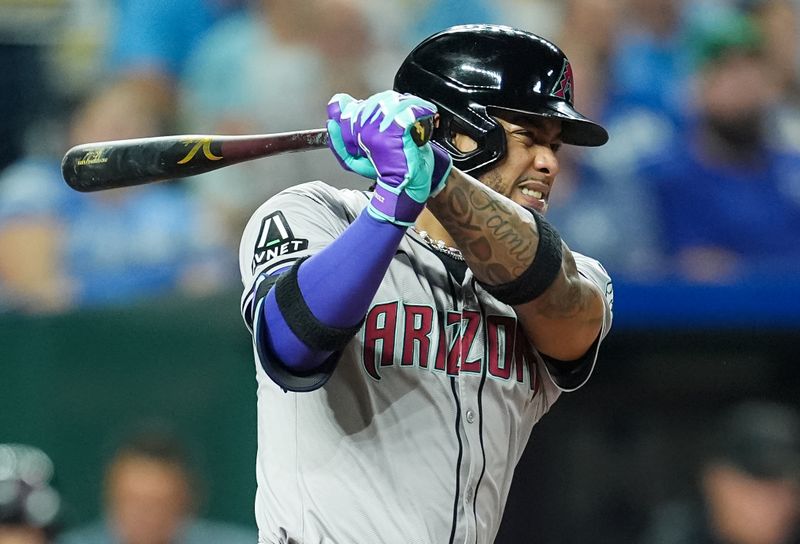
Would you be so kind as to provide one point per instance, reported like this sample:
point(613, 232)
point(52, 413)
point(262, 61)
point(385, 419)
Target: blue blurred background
point(123, 305)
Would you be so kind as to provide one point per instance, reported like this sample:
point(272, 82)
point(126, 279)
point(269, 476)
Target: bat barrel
point(125, 163)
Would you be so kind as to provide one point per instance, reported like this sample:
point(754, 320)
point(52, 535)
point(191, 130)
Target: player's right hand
point(373, 138)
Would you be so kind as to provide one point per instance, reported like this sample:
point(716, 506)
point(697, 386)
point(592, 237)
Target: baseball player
point(408, 338)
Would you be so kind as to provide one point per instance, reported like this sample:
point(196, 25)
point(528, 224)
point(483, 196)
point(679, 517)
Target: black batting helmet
point(472, 71)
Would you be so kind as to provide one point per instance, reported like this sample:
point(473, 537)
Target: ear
point(464, 143)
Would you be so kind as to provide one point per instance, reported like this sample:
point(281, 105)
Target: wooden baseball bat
point(125, 163)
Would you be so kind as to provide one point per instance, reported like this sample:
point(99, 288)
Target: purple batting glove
point(342, 139)
point(384, 128)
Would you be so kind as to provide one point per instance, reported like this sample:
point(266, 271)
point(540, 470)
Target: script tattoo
point(497, 238)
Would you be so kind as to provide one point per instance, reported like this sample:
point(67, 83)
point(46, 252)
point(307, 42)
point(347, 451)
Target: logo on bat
point(202, 143)
point(420, 131)
point(423, 129)
point(94, 156)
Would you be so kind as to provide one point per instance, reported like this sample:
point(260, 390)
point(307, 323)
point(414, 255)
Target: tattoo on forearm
point(567, 302)
point(497, 239)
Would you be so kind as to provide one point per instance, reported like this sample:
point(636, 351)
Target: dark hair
point(158, 444)
point(761, 438)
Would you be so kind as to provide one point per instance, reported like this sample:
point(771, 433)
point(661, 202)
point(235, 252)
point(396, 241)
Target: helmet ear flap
point(477, 124)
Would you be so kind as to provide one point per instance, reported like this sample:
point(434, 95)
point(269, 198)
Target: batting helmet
point(472, 71)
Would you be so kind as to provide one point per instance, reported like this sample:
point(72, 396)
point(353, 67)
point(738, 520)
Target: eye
point(526, 137)
point(555, 147)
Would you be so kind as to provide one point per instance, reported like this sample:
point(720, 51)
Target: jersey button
point(470, 416)
point(468, 494)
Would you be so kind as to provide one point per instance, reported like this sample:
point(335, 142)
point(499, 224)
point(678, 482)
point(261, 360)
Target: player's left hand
point(378, 138)
point(342, 139)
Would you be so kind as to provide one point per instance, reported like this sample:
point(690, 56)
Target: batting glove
point(374, 138)
point(442, 164)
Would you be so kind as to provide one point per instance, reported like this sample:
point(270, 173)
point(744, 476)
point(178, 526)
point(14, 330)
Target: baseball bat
point(125, 163)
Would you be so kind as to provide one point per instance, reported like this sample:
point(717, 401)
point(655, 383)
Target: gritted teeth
point(531, 193)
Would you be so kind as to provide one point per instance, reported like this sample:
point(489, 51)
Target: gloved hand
point(442, 164)
point(378, 138)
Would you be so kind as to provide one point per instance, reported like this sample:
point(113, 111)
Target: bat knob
point(423, 129)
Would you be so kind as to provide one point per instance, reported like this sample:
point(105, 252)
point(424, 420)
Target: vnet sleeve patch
point(275, 239)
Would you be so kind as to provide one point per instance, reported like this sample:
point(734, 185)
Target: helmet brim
point(576, 129)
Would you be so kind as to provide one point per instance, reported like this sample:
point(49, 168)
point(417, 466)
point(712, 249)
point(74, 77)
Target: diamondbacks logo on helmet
point(564, 86)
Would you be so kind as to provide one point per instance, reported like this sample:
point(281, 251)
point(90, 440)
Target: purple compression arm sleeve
point(337, 284)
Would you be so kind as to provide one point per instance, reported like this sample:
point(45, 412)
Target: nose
point(545, 160)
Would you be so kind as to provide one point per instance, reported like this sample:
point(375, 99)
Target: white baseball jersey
point(415, 435)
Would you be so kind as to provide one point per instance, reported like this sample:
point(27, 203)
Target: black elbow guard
point(540, 274)
point(304, 324)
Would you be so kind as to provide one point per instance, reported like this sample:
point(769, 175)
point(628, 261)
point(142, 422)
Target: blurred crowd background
point(693, 207)
point(699, 184)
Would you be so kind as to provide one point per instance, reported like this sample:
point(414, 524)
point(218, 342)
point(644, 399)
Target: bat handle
point(125, 163)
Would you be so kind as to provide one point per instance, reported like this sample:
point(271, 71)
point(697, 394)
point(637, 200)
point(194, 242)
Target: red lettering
point(501, 335)
point(379, 340)
point(418, 326)
point(454, 318)
point(472, 322)
point(441, 350)
point(524, 357)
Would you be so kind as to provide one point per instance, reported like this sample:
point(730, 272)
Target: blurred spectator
point(779, 24)
point(608, 214)
point(151, 497)
point(589, 35)
point(542, 17)
point(640, 83)
point(434, 15)
point(141, 57)
point(151, 36)
point(749, 483)
point(147, 51)
point(61, 249)
point(26, 32)
point(29, 505)
point(399, 26)
point(651, 62)
point(597, 197)
point(273, 69)
point(729, 202)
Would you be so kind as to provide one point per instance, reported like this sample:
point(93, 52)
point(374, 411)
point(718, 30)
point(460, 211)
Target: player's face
point(527, 171)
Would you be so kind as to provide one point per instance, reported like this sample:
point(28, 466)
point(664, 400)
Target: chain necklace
point(440, 246)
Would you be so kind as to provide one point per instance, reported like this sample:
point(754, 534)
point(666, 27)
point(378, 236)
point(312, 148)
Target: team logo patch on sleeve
point(275, 239)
